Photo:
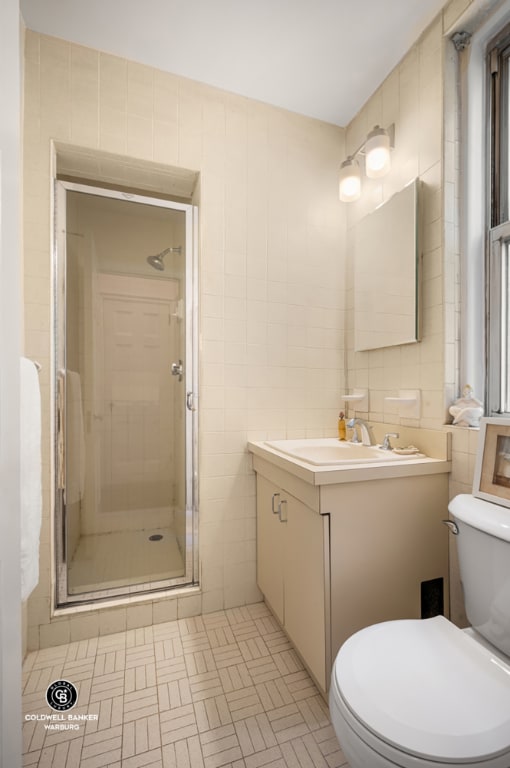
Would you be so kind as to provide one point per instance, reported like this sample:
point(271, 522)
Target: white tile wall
point(411, 98)
point(464, 447)
point(271, 282)
point(276, 283)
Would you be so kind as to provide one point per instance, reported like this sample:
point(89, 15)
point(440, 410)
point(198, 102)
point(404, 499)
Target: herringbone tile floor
point(224, 690)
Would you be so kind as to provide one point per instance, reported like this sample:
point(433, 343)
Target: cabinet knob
point(273, 510)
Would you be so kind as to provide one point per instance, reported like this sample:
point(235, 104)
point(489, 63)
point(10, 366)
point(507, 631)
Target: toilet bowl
point(423, 693)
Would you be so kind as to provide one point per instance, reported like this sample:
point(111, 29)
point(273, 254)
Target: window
point(498, 261)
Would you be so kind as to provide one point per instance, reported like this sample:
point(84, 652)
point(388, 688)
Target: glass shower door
point(125, 448)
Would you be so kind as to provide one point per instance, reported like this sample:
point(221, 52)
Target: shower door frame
point(62, 598)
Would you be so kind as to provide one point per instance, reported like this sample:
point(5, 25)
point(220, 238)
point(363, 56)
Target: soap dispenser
point(341, 426)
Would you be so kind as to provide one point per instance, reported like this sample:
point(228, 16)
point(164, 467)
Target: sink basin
point(329, 450)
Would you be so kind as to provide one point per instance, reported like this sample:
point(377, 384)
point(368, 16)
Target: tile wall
point(272, 287)
point(420, 98)
point(276, 281)
point(411, 98)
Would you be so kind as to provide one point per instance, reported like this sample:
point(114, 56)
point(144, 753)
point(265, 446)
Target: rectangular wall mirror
point(386, 273)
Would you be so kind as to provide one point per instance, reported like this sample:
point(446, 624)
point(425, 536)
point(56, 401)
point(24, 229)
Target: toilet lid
point(428, 689)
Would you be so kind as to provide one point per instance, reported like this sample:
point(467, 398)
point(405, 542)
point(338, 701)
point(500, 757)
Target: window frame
point(498, 235)
point(497, 320)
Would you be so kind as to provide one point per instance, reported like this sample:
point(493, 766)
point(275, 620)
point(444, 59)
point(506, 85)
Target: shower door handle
point(190, 403)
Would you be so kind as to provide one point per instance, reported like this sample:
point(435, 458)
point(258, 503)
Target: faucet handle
point(386, 445)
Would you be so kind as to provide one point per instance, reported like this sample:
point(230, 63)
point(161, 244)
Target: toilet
point(424, 693)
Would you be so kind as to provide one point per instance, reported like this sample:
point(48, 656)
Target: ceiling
point(320, 58)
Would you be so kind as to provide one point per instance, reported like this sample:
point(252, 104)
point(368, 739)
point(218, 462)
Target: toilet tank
point(483, 545)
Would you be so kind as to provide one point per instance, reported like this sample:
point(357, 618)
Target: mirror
point(386, 273)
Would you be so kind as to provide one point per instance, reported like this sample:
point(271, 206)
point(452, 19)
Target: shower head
point(156, 261)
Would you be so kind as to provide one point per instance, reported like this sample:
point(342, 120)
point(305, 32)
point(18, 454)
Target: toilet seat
point(425, 691)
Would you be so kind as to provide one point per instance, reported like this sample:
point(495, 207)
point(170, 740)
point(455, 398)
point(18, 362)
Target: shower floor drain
point(155, 537)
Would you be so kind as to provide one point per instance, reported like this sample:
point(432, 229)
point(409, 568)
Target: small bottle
point(341, 426)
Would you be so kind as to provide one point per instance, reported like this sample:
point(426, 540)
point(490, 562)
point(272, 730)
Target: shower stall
point(125, 384)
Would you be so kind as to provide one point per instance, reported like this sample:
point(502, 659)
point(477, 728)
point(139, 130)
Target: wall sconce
point(350, 180)
point(376, 150)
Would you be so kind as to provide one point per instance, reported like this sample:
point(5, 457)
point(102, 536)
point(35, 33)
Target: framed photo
point(492, 469)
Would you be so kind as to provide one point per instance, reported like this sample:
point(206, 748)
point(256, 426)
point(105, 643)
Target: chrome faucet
point(364, 428)
point(386, 445)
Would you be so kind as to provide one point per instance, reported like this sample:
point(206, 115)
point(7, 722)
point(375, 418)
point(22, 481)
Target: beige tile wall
point(411, 98)
point(419, 96)
point(275, 285)
point(272, 286)
point(464, 447)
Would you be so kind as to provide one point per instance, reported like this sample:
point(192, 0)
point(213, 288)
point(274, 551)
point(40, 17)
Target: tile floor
point(220, 690)
point(124, 557)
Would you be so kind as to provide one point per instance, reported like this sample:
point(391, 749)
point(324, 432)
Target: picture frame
point(492, 469)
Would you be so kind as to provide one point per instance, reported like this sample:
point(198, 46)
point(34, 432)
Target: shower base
point(124, 558)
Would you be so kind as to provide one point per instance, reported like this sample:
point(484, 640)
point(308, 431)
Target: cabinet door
point(270, 546)
point(304, 578)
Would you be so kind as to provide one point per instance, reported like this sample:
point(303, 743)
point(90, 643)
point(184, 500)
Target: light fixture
point(376, 150)
point(350, 180)
point(377, 153)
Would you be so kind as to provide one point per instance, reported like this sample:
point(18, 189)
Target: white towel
point(75, 440)
point(30, 475)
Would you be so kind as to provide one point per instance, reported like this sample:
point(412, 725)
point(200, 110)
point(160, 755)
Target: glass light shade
point(377, 153)
point(350, 181)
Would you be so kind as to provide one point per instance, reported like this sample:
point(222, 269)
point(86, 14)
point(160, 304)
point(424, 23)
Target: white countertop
point(349, 473)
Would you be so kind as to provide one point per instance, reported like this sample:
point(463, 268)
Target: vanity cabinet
point(291, 570)
point(340, 550)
